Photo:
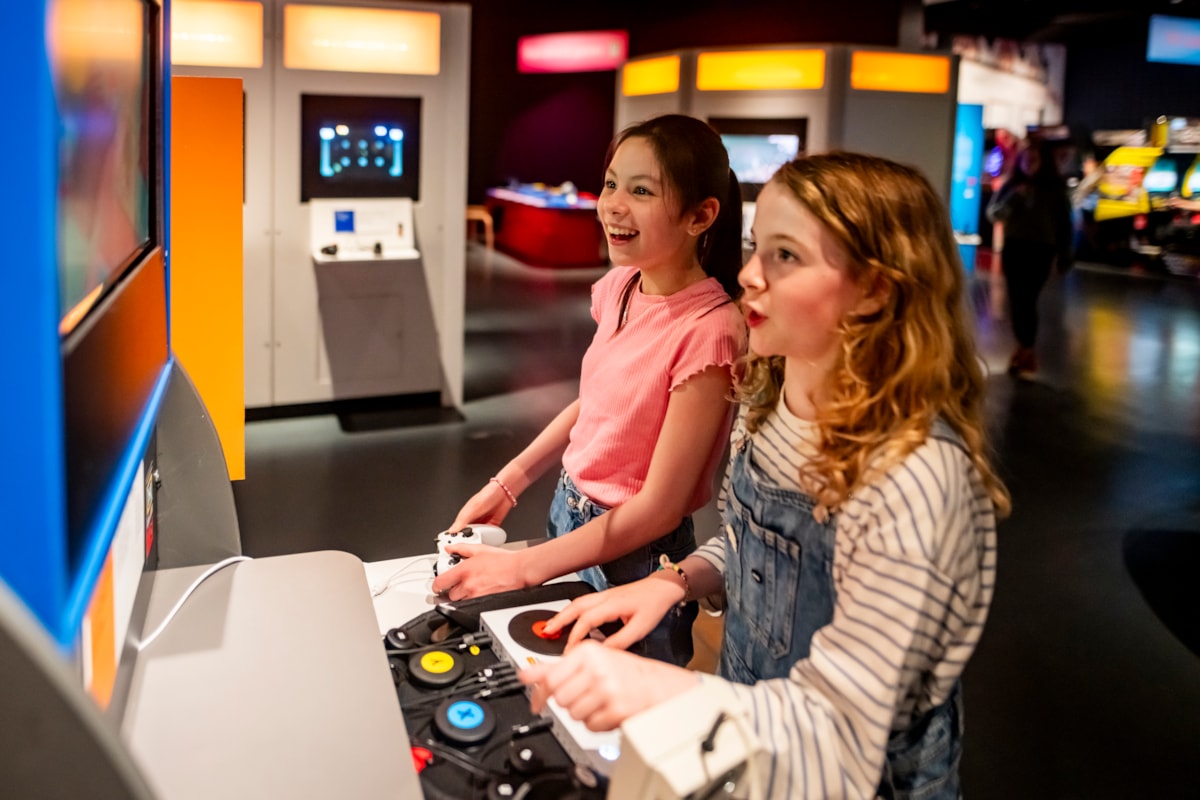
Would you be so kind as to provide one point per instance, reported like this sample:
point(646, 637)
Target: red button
point(539, 630)
point(421, 758)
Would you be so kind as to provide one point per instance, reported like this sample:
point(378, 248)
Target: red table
point(547, 227)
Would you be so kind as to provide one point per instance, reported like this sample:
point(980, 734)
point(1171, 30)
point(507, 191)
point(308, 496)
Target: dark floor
point(1087, 681)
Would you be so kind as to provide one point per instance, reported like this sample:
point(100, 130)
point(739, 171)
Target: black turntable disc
point(521, 629)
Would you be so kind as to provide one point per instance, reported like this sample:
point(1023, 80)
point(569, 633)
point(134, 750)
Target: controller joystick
point(524, 758)
point(472, 534)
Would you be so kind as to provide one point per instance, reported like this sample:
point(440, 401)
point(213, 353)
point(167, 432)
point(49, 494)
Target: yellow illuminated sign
point(216, 34)
point(899, 72)
point(346, 39)
point(650, 76)
point(760, 69)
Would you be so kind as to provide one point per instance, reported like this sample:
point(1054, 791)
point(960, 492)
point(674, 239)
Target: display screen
point(1163, 177)
point(1191, 184)
point(360, 146)
point(758, 147)
point(1175, 40)
point(754, 158)
point(100, 64)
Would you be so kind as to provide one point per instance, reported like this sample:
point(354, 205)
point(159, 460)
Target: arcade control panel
point(471, 730)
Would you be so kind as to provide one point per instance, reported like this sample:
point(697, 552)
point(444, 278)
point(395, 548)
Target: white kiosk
point(306, 320)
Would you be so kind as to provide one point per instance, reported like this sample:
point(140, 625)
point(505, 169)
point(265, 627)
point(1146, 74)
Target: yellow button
point(437, 662)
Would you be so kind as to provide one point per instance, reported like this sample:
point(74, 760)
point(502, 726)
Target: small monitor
point(360, 146)
point(758, 147)
point(1163, 177)
point(105, 152)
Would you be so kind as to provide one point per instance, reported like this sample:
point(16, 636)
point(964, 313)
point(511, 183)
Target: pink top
point(627, 379)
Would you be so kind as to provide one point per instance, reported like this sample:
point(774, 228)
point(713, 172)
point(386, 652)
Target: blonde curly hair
point(902, 366)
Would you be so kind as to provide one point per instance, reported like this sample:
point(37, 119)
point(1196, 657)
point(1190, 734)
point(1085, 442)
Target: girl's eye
point(610, 184)
point(641, 190)
point(785, 256)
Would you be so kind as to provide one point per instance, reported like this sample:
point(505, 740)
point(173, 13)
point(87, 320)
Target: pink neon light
point(585, 51)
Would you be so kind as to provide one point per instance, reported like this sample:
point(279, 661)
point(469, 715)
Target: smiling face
point(640, 215)
point(798, 287)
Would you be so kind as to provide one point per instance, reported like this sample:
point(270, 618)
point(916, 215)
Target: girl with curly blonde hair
point(856, 562)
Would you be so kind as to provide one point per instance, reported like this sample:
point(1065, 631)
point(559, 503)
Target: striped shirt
point(914, 571)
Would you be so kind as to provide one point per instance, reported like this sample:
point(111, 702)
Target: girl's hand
point(489, 505)
point(602, 687)
point(640, 605)
point(483, 570)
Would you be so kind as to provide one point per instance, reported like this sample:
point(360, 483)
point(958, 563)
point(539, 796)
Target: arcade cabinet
point(141, 656)
point(831, 96)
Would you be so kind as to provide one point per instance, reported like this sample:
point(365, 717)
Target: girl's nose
point(616, 201)
point(751, 275)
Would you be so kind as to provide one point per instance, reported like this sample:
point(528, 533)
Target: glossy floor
point(1087, 681)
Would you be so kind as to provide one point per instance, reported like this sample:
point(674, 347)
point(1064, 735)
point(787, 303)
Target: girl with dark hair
point(640, 446)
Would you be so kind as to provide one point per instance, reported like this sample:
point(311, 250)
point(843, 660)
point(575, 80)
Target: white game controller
point(478, 533)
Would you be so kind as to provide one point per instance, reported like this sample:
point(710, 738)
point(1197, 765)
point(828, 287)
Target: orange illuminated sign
point(760, 69)
point(216, 34)
point(899, 72)
point(650, 76)
point(344, 39)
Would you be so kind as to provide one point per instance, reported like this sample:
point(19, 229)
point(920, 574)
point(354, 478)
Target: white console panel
point(362, 229)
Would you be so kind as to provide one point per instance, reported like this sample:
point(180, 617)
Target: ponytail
point(721, 247)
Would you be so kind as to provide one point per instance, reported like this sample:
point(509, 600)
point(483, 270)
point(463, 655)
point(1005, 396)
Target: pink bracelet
point(512, 498)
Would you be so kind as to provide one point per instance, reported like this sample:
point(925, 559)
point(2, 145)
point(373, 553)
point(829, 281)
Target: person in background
point(1035, 210)
point(856, 561)
point(640, 446)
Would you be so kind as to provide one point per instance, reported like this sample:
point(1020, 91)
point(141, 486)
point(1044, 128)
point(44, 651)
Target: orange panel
point(206, 251)
point(99, 620)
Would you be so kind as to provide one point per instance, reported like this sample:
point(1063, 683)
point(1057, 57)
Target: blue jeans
point(671, 640)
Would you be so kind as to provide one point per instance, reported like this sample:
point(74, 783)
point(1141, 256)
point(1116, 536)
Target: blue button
point(465, 714)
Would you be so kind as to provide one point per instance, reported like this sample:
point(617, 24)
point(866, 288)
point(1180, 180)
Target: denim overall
point(779, 589)
point(671, 640)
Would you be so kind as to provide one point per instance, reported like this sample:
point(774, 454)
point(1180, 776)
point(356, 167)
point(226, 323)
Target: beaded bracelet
point(666, 563)
point(512, 498)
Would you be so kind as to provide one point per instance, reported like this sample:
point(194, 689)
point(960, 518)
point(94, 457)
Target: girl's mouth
point(753, 318)
point(620, 235)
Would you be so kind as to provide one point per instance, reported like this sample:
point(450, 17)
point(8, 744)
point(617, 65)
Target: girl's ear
point(874, 297)
point(703, 216)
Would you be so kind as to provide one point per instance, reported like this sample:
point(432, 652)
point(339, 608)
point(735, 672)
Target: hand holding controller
point(472, 534)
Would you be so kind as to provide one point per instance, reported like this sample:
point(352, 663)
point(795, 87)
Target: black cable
point(461, 759)
point(709, 743)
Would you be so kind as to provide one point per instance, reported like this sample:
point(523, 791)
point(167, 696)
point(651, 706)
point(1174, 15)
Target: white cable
point(179, 603)
point(425, 561)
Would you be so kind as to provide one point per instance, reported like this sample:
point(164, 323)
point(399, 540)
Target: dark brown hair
point(695, 167)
